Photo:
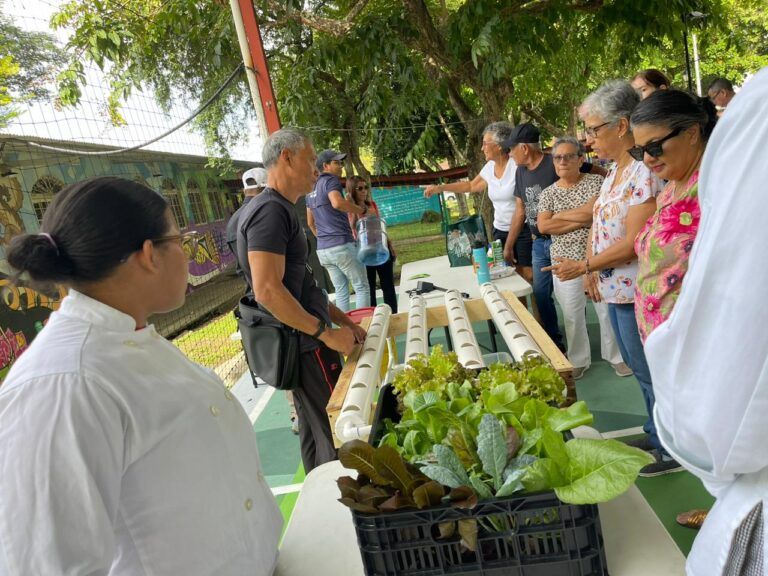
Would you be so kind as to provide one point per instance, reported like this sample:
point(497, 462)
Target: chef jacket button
point(214, 411)
point(228, 395)
point(248, 504)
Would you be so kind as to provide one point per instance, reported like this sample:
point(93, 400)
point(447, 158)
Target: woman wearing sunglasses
point(119, 455)
point(626, 201)
point(359, 192)
point(671, 130)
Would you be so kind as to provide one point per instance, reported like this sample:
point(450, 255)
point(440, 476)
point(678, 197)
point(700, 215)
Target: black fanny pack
point(272, 349)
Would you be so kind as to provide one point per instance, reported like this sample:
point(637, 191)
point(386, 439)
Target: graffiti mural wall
point(23, 313)
point(31, 178)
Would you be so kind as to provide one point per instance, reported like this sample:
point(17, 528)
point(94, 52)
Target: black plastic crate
point(534, 535)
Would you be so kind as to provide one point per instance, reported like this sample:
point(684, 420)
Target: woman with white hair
point(498, 175)
point(627, 199)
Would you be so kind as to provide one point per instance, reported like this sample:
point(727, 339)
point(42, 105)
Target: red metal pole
point(256, 48)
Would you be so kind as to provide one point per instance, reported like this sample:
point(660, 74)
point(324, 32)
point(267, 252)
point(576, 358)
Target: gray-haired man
point(272, 249)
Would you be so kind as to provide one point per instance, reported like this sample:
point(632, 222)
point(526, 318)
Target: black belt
point(541, 236)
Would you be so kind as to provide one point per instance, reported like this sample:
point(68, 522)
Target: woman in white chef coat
point(709, 359)
point(118, 455)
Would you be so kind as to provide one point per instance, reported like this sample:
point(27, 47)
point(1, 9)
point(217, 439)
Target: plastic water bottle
point(480, 256)
point(372, 247)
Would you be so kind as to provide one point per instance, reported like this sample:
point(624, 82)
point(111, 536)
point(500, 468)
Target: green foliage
point(533, 377)
point(483, 435)
point(731, 44)
point(26, 63)
point(383, 79)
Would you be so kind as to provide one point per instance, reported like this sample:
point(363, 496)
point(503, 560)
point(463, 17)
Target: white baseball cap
point(254, 178)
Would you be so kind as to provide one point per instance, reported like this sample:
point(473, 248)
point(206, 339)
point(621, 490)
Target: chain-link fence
point(45, 146)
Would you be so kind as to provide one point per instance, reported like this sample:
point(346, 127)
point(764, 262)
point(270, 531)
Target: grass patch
point(210, 344)
point(414, 230)
point(420, 251)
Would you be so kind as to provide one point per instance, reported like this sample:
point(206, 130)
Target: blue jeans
point(542, 289)
point(631, 348)
point(344, 268)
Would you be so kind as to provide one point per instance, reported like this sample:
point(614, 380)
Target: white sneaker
point(622, 369)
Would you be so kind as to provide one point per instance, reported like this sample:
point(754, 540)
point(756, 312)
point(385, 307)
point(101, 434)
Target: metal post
point(687, 56)
point(696, 62)
point(256, 69)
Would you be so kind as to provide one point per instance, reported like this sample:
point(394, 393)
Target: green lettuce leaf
point(600, 470)
point(447, 458)
point(542, 475)
point(562, 419)
point(442, 475)
point(492, 448)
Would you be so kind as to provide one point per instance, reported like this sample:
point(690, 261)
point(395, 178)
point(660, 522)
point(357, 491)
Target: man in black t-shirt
point(254, 181)
point(535, 171)
point(272, 250)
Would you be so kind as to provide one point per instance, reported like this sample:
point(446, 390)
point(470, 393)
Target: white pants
point(573, 302)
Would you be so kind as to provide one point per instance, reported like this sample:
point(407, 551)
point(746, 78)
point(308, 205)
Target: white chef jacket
point(709, 360)
point(119, 456)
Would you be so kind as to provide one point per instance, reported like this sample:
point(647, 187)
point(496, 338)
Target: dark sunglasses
point(361, 187)
point(655, 149)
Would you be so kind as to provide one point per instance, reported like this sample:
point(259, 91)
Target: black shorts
point(523, 248)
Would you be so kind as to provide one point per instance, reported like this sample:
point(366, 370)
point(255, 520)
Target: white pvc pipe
point(520, 343)
point(356, 409)
point(416, 334)
point(464, 341)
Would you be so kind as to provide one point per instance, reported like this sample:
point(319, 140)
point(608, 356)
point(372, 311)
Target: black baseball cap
point(523, 134)
point(326, 156)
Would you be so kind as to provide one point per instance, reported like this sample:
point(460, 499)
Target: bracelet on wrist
point(586, 266)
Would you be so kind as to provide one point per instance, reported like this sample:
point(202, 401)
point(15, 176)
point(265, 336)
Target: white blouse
point(501, 192)
point(709, 360)
point(119, 456)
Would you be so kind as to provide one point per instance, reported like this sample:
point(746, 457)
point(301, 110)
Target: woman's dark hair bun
point(90, 227)
point(39, 257)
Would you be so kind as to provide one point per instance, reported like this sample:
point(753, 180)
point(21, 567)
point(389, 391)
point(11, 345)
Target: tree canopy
point(412, 81)
point(27, 61)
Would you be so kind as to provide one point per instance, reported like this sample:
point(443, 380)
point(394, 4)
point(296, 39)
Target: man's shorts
point(523, 248)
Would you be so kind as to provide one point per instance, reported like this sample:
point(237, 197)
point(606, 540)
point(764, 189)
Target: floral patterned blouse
point(663, 248)
point(609, 225)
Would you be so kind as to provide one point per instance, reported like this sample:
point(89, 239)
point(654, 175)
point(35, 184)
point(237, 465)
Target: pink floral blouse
point(663, 248)
point(609, 226)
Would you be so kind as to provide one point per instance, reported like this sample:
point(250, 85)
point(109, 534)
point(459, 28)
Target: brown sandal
point(692, 518)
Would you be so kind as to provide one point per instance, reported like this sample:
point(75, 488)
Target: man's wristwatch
point(321, 327)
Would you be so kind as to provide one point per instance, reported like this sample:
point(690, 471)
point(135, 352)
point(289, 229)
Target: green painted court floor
point(615, 402)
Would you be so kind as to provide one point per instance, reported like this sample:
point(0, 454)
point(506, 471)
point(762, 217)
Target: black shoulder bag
point(271, 348)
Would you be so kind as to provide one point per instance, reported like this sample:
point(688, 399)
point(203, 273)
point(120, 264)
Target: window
point(42, 194)
point(196, 203)
point(174, 201)
point(216, 198)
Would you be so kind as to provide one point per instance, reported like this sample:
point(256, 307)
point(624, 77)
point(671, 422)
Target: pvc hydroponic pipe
point(416, 335)
point(519, 341)
point(356, 410)
point(464, 341)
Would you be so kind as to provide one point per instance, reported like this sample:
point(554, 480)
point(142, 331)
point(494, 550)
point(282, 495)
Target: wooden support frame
point(437, 317)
